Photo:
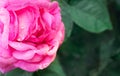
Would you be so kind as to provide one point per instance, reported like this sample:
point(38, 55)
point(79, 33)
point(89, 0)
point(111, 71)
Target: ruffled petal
point(17, 5)
point(26, 19)
point(7, 68)
point(31, 67)
point(13, 26)
point(7, 64)
point(46, 61)
point(54, 48)
point(4, 52)
point(5, 19)
point(21, 46)
point(48, 19)
point(26, 55)
point(27, 66)
point(42, 49)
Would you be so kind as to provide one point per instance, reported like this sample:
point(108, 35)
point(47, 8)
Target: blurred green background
point(92, 40)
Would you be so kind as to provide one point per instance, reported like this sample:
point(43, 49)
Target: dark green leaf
point(18, 72)
point(90, 15)
point(68, 23)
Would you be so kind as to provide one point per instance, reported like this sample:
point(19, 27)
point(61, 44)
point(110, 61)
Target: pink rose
point(30, 33)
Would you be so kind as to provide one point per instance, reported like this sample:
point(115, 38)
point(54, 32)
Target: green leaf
point(90, 15)
point(68, 23)
point(54, 69)
point(18, 72)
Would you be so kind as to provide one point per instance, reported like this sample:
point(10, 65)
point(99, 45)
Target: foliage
point(92, 40)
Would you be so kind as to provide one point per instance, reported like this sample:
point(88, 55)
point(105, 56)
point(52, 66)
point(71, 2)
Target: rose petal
point(6, 68)
point(13, 26)
point(42, 49)
point(54, 48)
point(1, 27)
point(46, 61)
point(5, 61)
point(31, 67)
point(21, 46)
point(17, 5)
point(54, 8)
point(37, 58)
point(25, 19)
point(27, 66)
point(48, 18)
point(3, 3)
point(6, 64)
point(60, 34)
point(5, 19)
point(26, 55)
point(4, 52)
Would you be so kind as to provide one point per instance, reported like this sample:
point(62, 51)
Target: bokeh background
point(92, 40)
